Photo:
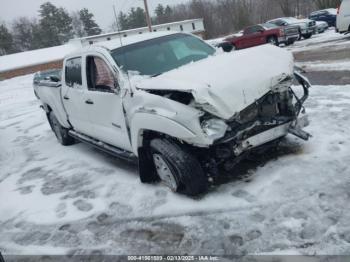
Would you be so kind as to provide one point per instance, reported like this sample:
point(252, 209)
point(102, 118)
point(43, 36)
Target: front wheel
point(307, 36)
point(177, 168)
point(61, 133)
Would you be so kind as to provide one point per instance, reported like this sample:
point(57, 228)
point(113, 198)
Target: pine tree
point(90, 26)
point(159, 11)
point(55, 25)
point(6, 41)
point(137, 18)
point(123, 22)
point(77, 25)
point(168, 12)
point(22, 31)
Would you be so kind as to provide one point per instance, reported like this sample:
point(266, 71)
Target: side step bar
point(117, 152)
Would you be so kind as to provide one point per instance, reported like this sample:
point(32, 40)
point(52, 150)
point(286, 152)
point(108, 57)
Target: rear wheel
point(177, 168)
point(272, 40)
point(227, 47)
point(61, 133)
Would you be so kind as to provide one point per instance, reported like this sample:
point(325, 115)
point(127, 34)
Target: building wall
point(31, 69)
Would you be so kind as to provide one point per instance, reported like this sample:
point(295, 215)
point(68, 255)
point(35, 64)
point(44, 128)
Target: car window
point(99, 76)
point(279, 22)
point(252, 30)
point(156, 56)
point(73, 72)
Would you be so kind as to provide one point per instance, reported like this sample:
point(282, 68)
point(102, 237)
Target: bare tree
point(321, 4)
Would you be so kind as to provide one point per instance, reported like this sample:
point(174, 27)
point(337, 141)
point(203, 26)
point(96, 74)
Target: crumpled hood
point(227, 83)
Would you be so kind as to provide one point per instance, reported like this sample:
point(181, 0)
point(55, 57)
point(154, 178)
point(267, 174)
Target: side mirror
point(55, 79)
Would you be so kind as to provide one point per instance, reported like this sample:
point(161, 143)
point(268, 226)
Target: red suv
point(259, 35)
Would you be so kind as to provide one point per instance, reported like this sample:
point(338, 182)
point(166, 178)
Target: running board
point(117, 152)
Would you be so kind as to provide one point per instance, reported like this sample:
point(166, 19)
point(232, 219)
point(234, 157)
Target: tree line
point(56, 26)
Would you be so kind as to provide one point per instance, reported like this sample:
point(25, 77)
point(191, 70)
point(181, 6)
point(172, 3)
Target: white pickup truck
point(178, 106)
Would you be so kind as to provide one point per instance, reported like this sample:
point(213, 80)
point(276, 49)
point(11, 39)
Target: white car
point(321, 26)
point(343, 17)
point(170, 102)
point(307, 27)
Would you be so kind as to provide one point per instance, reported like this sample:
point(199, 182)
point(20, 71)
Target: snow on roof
point(36, 57)
point(124, 41)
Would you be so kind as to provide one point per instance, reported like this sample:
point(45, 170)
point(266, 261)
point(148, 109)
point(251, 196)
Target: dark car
point(326, 15)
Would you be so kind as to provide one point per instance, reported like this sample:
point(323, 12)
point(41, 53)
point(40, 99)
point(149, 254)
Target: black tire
point(272, 40)
point(300, 35)
point(188, 173)
point(227, 47)
point(307, 36)
point(61, 133)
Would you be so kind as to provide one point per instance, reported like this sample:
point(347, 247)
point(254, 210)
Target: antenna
point(121, 45)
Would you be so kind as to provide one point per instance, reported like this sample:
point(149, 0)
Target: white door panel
point(107, 117)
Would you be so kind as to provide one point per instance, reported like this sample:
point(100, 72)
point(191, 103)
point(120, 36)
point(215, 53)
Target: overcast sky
point(102, 9)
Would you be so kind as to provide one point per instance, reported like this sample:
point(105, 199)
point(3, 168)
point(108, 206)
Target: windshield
point(156, 56)
point(269, 25)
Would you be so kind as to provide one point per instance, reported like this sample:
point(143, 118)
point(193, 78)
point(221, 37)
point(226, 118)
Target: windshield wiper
point(155, 75)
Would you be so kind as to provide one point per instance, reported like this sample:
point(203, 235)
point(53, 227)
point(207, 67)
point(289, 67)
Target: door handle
point(89, 102)
point(66, 98)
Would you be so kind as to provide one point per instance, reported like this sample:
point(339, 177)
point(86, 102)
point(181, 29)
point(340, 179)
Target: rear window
point(73, 72)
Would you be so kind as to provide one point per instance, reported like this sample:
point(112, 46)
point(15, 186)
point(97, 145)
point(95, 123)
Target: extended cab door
point(253, 36)
point(103, 105)
point(73, 95)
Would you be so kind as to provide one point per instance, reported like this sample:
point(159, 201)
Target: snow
point(328, 39)
point(59, 200)
point(36, 57)
point(78, 200)
point(227, 92)
point(333, 65)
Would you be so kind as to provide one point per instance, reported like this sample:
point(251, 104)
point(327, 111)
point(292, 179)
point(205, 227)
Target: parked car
point(306, 27)
point(327, 15)
point(172, 103)
point(343, 17)
point(321, 27)
point(259, 35)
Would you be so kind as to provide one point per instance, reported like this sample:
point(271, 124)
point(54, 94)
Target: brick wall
point(31, 69)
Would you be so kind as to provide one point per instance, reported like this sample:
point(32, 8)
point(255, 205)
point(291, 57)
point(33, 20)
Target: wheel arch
point(144, 125)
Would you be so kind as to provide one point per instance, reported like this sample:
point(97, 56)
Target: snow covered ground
point(78, 200)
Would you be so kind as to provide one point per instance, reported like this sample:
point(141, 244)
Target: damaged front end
point(267, 120)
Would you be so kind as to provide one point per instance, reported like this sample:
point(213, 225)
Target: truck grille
point(291, 31)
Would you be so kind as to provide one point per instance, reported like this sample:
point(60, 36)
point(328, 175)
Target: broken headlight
point(214, 128)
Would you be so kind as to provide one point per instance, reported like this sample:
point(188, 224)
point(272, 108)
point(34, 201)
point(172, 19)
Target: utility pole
point(148, 18)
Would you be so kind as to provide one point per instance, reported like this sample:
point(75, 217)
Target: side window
point(99, 75)
point(73, 72)
point(279, 22)
point(248, 30)
point(251, 30)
